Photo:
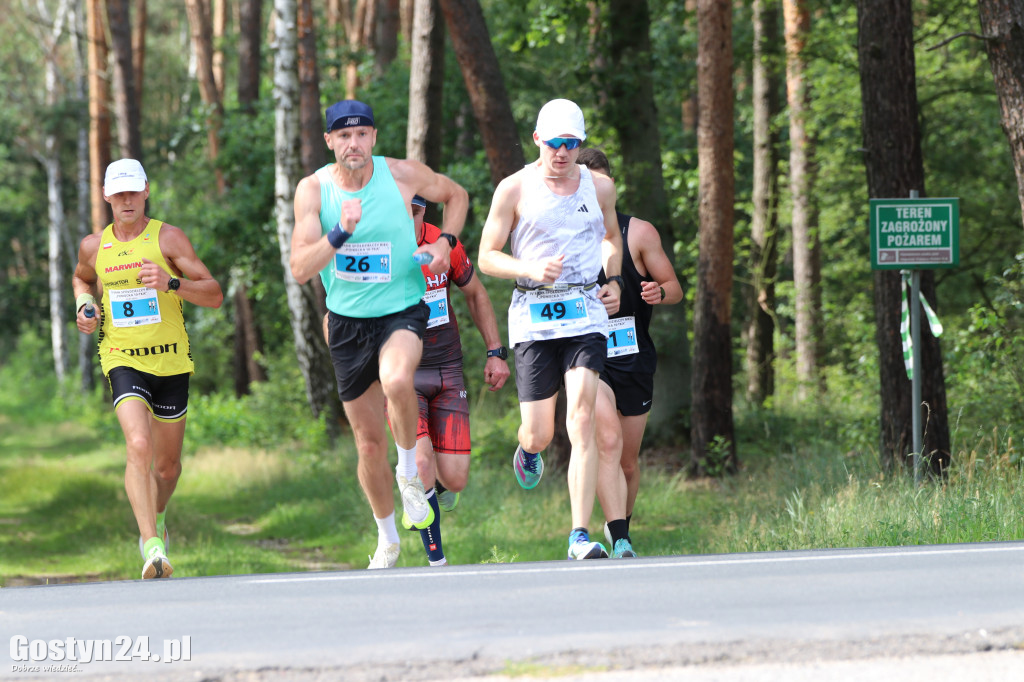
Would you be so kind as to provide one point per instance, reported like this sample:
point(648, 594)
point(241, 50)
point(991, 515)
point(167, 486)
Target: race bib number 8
point(556, 309)
point(134, 307)
point(622, 337)
point(366, 262)
point(437, 301)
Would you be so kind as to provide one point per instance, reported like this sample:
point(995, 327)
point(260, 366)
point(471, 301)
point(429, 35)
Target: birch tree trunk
point(426, 84)
point(86, 343)
point(712, 436)
point(49, 158)
point(305, 329)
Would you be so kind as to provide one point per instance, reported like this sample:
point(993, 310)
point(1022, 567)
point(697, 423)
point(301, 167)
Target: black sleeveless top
point(632, 303)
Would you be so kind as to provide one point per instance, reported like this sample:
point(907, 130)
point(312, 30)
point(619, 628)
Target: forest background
point(223, 103)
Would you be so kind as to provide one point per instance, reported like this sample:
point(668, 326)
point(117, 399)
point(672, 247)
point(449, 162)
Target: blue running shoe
point(623, 550)
point(528, 468)
point(580, 547)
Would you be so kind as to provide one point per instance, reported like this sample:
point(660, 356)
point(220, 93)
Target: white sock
point(386, 529)
point(406, 462)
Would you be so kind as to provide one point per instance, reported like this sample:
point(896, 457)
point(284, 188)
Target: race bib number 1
point(622, 337)
point(557, 309)
point(366, 262)
point(134, 307)
point(437, 301)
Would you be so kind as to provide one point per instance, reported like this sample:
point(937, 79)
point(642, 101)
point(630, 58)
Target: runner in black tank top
point(626, 391)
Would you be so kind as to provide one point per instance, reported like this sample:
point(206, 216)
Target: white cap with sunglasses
point(560, 117)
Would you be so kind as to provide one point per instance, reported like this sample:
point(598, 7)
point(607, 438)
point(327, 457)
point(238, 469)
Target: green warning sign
point(908, 234)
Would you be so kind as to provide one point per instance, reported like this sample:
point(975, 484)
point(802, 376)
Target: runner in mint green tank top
point(373, 273)
point(353, 227)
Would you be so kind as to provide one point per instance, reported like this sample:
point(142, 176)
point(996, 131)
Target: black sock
point(618, 529)
point(431, 535)
point(438, 486)
point(628, 519)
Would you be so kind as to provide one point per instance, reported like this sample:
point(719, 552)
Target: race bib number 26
point(366, 262)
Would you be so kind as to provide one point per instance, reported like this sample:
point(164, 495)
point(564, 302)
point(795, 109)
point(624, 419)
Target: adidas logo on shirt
point(582, 209)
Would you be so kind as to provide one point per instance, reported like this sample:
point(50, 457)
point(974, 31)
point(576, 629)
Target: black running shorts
point(166, 397)
point(634, 391)
point(541, 365)
point(355, 344)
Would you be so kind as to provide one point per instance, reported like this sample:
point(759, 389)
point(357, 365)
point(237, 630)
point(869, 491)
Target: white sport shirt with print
point(549, 225)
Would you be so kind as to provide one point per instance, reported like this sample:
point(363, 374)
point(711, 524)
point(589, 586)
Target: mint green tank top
point(373, 273)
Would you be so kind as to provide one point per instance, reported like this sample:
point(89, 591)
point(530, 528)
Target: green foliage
point(986, 357)
point(275, 414)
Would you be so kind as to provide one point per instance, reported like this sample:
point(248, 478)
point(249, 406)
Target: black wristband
point(338, 236)
point(450, 238)
point(619, 280)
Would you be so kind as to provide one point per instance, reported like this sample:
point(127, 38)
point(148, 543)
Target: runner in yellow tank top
point(144, 269)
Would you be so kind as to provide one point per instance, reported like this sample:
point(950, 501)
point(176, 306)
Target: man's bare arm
point(496, 370)
point(413, 178)
point(655, 262)
point(611, 247)
point(200, 288)
point(83, 281)
point(311, 251)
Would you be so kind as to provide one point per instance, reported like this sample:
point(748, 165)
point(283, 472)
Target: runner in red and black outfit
point(442, 439)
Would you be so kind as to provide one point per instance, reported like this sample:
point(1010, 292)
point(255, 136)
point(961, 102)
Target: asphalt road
point(559, 617)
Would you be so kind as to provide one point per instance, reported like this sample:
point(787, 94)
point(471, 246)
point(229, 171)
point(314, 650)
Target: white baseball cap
point(124, 175)
point(560, 117)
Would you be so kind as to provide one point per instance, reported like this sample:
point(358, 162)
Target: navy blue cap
point(419, 201)
point(348, 113)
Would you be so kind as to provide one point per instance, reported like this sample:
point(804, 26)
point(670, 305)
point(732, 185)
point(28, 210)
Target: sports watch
point(618, 279)
point(173, 283)
point(499, 352)
point(450, 238)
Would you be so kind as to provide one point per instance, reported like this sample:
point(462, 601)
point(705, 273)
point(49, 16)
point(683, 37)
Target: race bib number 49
point(557, 309)
point(134, 307)
point(622, 336)
point(366, 262)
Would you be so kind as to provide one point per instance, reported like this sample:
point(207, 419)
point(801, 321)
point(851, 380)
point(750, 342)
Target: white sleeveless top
point(549, 225)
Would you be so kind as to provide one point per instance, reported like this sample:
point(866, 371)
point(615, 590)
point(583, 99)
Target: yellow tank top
point(140, 327)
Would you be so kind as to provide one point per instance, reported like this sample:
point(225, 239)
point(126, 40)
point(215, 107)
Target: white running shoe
point(386, 555)
point(157, 566)
point(416, 511)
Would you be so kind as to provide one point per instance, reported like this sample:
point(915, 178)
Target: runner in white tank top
point(559, 217)
point(549, 225)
